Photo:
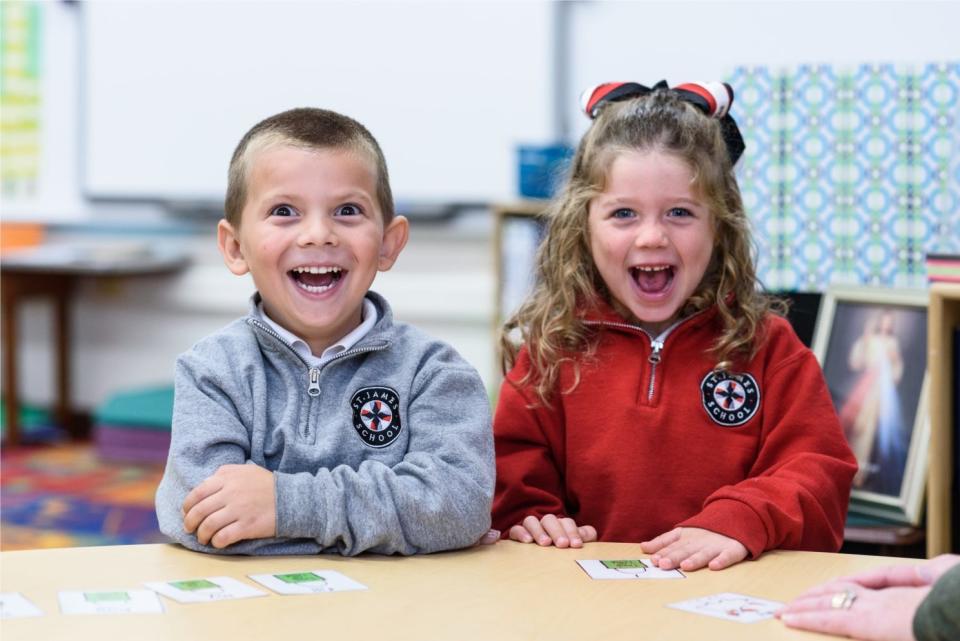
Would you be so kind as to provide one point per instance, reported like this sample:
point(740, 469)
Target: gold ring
point(843, 600)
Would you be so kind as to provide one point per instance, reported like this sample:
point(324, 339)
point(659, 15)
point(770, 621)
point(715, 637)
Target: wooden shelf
point(942, 317)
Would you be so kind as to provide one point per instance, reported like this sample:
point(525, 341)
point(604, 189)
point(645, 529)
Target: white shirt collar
point(368, 318)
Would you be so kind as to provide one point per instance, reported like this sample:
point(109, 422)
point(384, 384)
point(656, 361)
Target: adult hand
point(925, 573)
point(691, 548)
point(234, 504)
point(553, 530)
point(849, 609)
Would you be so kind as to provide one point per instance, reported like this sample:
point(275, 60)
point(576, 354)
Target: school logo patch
point(730, 399)
point(376, 415)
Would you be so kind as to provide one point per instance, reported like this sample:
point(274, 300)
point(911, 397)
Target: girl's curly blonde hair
point(550, 321)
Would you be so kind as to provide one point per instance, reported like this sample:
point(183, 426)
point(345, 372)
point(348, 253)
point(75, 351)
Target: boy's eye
point(348, 210)
point(283, 210)
point(623, 213)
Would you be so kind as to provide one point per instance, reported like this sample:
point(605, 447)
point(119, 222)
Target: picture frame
point(872, 346)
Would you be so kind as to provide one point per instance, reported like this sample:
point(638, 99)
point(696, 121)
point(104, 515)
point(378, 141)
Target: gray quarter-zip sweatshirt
point(386, 448)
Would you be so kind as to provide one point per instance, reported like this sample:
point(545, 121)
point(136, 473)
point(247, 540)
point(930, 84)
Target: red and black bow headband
point(711, 98)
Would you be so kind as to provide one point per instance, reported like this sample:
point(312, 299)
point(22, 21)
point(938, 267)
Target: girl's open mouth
point(652, 279)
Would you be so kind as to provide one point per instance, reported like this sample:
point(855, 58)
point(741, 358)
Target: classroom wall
point(128, 333)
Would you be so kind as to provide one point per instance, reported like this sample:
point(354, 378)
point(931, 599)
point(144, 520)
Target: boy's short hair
point(307, 128)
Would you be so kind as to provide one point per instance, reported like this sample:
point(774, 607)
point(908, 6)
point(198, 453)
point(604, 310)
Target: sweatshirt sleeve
point(207, 433)
point(796, 493)
point(938, 617)
point(528, 447)
point(437, 498)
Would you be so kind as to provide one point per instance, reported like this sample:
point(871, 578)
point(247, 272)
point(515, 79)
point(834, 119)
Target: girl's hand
point(552, 530)
point(691, 548)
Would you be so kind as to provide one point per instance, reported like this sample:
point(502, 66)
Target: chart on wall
point(851, 174)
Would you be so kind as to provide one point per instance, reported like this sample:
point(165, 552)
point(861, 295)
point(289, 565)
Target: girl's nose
point(651, 234)
point(317, 230)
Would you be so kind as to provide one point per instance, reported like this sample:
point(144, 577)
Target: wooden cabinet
point(943, 317)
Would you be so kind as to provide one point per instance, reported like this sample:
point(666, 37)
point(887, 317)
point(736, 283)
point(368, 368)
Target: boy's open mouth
point(652, 279)
point(316, 279)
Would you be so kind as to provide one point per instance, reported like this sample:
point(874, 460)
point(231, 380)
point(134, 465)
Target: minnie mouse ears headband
point(713, 99)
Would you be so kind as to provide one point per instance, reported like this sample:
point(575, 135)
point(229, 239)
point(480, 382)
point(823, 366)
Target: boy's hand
point(691, 548)
point(551, 530)
point(234, 504)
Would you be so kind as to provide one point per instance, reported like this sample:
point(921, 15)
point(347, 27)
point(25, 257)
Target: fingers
point(207, 488)
point(553, 530)
point(691, 549)
point(200, 511)
point(835, 622)
point(491, 537)
point(535, 528)
point(213, 524)
point(726, 558)
point(520, 533)
point(661, 541)
point(227, 535)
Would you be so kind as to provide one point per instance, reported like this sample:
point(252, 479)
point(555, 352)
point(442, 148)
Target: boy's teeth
point(317, 270)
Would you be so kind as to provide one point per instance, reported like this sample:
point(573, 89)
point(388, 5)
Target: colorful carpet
point(62, 495)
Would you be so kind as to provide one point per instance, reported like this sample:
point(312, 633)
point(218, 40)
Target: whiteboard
point(448, 89)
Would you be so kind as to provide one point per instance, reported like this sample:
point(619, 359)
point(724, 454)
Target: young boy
point(316, 423)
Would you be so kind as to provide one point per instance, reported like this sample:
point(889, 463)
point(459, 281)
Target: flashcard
point(627, 569)
point(110, 602)
point(214, 588)
point(730, 606)
point(309, 582)
point(14, 605)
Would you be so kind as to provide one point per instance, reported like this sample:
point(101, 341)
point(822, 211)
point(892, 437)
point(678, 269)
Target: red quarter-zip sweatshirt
point(651, 438)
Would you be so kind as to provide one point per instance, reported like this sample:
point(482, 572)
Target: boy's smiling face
point(312, 236)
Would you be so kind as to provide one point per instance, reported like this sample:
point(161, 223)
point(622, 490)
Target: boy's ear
point(394, 239)
point(228, 240)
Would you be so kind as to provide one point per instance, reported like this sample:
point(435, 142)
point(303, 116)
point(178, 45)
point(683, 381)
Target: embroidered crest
point(376, 415)
point(730, 399)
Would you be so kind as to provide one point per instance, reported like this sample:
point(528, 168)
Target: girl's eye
point(283, 210)
point(679, 212)
point(348, 210)
point(623, 213)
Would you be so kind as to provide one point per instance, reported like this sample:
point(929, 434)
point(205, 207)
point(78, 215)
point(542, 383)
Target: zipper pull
point(655, 354)
point(314, 389)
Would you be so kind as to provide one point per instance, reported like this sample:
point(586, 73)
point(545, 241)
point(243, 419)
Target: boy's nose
point(317, 230)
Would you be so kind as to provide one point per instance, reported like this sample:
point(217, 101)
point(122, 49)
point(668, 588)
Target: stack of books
point(134, 425)
point(943, 268)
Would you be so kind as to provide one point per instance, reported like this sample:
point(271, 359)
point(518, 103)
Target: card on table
point(109, 602)
point(214, 588)
point(730, 606)
point(627, 569)
point(309, 582)
point(14, 605)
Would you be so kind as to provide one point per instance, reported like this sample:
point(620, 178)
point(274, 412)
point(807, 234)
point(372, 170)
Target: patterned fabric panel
point(851, 176)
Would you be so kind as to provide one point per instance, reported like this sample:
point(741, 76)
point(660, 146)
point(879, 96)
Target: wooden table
point(53, 272)
point(502, 592)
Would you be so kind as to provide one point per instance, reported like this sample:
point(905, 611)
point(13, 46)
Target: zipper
point(656, 345)
point(313, 372)
point(314, 388)
point(654, 359)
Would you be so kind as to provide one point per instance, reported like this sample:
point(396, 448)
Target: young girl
point(657, 398)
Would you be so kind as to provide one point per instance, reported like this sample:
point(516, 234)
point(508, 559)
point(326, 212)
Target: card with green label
point(109, 602)
point(619, 569)
point(307, 582)
point(214, 588)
